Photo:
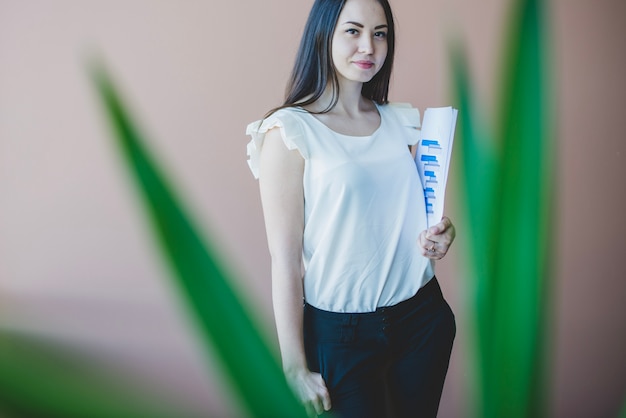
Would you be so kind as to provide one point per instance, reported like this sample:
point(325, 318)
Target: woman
point(346, 226)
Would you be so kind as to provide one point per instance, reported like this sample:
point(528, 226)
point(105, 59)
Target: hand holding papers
point(433, 158)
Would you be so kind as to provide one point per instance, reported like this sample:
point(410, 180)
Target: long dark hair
point(314, 68)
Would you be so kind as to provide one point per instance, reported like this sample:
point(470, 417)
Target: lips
point(365, 65)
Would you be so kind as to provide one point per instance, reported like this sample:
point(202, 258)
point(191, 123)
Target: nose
point(366, 46)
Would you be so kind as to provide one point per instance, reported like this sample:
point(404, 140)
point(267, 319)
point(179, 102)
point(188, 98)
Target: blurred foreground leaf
point(509, 210)
point(39, 379)
point(224, 322)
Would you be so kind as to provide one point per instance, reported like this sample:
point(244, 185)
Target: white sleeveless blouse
point(363, 208)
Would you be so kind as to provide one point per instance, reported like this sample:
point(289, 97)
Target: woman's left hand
point(436, 240)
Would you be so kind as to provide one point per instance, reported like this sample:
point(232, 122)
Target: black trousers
point(387, 363)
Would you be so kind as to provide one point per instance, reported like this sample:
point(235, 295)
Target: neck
point(349, 100)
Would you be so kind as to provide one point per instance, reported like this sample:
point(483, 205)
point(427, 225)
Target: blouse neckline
point(378, 129)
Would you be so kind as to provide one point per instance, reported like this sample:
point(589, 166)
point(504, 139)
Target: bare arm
point(282, 195)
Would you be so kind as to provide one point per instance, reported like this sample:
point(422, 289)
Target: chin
point(363, 77)
point(359, 76)
point(367, 79)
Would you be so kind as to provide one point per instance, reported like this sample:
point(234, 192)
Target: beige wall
point(77, 264)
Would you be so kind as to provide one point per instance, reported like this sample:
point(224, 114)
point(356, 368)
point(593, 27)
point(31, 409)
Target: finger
point(436, 250)
point(421, 239)
point(445, 239)
point(429, 250)
point(310, 411)
point(440, 227)
point(322, 395)
point(321, 404)
point(451, 232)
point(319, 408)
point(326, 401)
point(435, 230)
point(424, 242)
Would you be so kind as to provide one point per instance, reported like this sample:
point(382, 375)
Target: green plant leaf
point(224, 322)
point(40, 379)
point(478, 169)
point(511, 223)
point(524, 230)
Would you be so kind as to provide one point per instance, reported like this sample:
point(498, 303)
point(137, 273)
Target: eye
point(381, 35)
point(352, 31)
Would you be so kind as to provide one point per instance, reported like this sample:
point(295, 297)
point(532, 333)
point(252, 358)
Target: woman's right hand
point(310, 389)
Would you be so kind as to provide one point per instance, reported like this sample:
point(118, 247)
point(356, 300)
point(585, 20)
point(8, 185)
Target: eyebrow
point(360, 25)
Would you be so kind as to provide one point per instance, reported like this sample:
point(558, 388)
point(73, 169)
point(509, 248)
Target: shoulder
point(277, 157)
point(405, 118)
point(285, 118)
point(284, 124)
point(406, 114)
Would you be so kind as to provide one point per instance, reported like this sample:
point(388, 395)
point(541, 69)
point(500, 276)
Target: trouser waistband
point(429, 290)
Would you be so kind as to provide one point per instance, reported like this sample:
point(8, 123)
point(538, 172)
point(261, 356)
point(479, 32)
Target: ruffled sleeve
point(409, 117)
point(290, 130)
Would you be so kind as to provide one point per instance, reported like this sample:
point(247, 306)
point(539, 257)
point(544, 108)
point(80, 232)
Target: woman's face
point(359, 44)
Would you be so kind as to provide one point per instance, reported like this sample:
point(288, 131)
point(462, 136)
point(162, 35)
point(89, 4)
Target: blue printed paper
point(433, 158)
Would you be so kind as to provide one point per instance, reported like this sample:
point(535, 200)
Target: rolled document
point(432, 158)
